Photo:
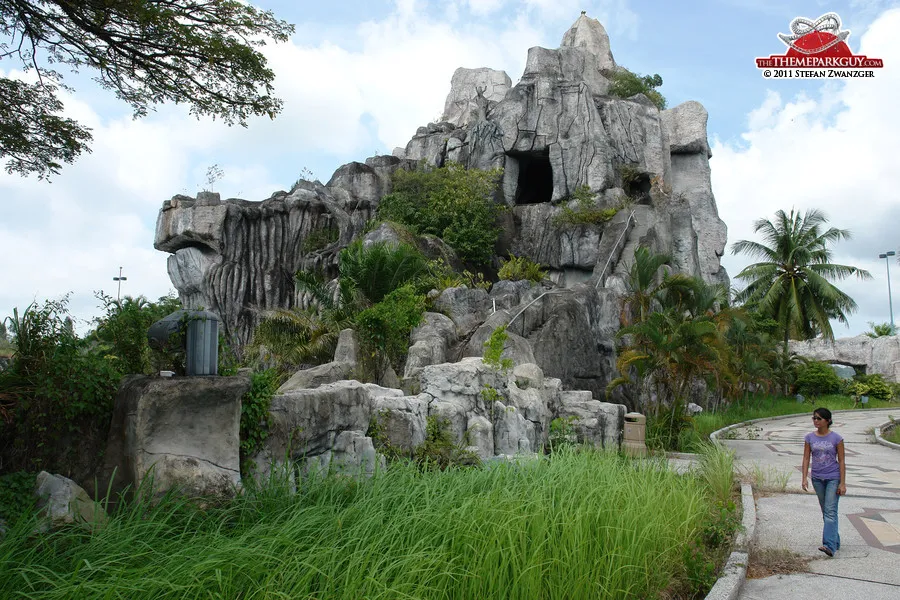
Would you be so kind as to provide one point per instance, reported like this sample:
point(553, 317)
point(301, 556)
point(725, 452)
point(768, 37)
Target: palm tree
point(791, 282)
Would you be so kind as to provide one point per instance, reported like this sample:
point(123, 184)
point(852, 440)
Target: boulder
point(685, 126)
point(430, 343)
point(181, 433)
point(342, 367)
point(600, 424)
point(467, 307)
point(61, 501)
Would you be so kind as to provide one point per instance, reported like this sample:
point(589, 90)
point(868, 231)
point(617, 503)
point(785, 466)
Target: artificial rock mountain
point(554, 131)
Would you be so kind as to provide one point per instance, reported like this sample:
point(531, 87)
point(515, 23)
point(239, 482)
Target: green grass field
point(578, 525)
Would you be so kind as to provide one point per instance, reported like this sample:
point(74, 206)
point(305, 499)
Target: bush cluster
point(452, 202)
point(873, 386)
point(58, 392)
point(385, 327)
point(626, 84)
point(817, 379)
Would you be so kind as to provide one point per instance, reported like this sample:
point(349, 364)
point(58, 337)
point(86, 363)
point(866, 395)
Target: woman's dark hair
point(824, 413)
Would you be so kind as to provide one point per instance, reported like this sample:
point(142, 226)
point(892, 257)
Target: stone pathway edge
point(729, 584)
point(714, 436)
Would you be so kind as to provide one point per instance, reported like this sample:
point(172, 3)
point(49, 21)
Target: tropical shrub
point(521, 268)
point(385, 327)
point(378, 269)
point(121, 333)
point(626, 84)
point(450, 202)
point(56, 393)
point(817, 379)
point(880, 329)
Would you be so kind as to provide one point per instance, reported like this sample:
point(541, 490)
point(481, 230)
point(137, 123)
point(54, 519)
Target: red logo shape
point(817, 44)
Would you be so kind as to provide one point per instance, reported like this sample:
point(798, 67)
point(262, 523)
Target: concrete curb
point(714, 436)
point(729, 584)
point(883, 441)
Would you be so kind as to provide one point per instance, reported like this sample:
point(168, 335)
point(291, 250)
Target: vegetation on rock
point(586, 210)
point(452, 202)
point(626, 84)
point(521, 268)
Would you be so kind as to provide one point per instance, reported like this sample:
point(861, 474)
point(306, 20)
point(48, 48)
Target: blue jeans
point(826, 490)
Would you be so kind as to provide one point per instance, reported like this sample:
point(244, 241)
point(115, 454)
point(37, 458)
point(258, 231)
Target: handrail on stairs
point(613, 251)
point(602, 273)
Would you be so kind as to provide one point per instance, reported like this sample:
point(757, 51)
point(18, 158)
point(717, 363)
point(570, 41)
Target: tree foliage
point(147, 52)
point(121, 333)
point(791, 283)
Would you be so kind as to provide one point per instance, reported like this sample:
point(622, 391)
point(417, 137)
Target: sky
point(358, 78)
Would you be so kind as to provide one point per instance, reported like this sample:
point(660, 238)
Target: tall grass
point(577, 525)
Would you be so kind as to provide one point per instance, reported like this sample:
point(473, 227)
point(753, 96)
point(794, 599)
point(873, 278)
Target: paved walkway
point(868, 564)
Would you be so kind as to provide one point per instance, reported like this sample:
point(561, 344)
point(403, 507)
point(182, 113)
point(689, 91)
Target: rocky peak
point(590, 36)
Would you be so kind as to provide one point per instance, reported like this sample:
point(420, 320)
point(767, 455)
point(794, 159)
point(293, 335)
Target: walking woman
point(824, 450)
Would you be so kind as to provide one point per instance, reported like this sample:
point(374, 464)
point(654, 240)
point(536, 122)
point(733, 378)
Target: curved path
point(868, 564)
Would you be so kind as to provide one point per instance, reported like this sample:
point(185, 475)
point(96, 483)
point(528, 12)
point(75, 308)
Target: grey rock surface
point(61, 501)
point(183, 432)
point(879, 355)
point(472, 92)
point(431, 343)
point(467, 307)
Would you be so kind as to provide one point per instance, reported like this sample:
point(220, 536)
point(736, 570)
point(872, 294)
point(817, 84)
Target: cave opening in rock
point(638, 186)
point(535, 181)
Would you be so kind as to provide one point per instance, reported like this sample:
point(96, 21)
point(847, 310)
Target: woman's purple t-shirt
point(823, 454)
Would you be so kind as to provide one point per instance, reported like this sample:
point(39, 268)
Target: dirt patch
point(765, 562)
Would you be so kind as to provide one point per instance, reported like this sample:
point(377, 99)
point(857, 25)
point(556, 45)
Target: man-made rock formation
point(492, 412)
point(490, 87)
point(555, 131)
point(238, 258)
point(879, 355)
point(183, 432)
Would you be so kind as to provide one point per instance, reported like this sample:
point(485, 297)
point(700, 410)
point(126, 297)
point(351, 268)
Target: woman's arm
point(805, 466)
point(842, 486)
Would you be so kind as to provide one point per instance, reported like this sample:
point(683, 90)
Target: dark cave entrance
point(638, 187)
point(534, 183)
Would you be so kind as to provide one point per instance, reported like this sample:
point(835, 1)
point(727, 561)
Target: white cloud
point(836, 152)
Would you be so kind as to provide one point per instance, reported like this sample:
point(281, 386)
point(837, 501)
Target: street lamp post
point(887, 263)
point(120, 279)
